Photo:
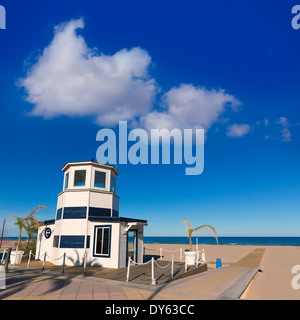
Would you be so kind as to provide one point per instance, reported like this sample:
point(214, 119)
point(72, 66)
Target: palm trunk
point(27, 242)
point(19, 240)
point(191, 247)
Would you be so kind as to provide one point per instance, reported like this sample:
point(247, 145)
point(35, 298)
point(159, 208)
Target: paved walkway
point(227, 282)
point(38, 285)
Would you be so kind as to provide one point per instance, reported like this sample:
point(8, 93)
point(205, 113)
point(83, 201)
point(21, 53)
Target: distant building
point(87, 220)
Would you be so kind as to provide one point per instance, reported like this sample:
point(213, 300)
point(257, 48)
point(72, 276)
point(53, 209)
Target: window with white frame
point(102, 240)
point(79, 178)
point(100, 178)
point(113, 184)
point(67, 180)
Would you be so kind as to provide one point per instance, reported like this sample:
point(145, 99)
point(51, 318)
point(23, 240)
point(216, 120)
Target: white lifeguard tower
point(87, 221)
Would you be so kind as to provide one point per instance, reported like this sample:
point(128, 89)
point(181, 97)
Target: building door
point(132, 245)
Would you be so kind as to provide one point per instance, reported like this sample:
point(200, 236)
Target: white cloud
point(73, 80)
point(285, 132)
point(188, 106)
point(238, 130)
point(266, 122)
point(283, 121)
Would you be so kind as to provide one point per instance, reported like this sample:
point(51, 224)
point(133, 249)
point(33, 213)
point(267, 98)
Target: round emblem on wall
point(47, 233)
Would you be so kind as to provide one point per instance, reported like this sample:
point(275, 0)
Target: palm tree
point(198, 229)
point(20, 223)
point(31, 223)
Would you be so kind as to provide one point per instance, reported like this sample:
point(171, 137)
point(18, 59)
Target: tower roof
point(92, 163)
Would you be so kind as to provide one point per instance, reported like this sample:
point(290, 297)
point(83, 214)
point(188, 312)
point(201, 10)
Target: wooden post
point(180, 254)
point(2, 233)
point(44, 261)
point(84, 263)
point(160, 249)
point(64, 260)
point(172, 267)
point(3, 256)
point(128, 269)
point(29, 257)
point(8, 253)
point(203, 255)
point(153, 282)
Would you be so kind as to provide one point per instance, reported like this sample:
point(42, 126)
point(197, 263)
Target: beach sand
point(8, 244)
point(273, 283)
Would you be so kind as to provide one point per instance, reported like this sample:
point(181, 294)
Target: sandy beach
point(274, 282)
point(8, 244)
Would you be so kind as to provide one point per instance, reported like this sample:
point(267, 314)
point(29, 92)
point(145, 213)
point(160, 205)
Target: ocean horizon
point(254, 241)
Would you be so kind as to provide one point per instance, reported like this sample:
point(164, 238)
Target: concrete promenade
point(228, 282)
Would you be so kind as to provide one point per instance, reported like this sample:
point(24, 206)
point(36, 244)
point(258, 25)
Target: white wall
point(44, 245)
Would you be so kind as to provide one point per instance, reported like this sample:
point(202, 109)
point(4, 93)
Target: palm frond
point(186, 223)
point(207, 227)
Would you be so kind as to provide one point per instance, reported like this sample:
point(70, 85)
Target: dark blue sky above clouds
point(230, 67)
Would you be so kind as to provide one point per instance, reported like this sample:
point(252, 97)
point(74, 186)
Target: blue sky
point(238, 61)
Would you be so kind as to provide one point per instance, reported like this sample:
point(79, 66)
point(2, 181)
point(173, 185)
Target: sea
point(253, 241)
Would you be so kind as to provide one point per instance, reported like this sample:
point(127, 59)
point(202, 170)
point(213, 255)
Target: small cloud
point(266, 122)
point(286, 134)
point(187, 106)
point(238, 130)
point(283, 121)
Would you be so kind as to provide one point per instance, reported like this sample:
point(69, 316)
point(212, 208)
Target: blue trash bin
point(218, 263)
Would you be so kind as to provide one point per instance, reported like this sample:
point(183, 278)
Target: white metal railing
point(171, 262)
point(162, 249)
point(130, 262)
point(64, 256)
point(178, 250)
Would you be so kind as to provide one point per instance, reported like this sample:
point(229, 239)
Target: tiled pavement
point(32, 284)
point(224, 283)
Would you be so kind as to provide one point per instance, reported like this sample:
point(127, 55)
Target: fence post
point(203, 255)
point(44, 261)
point(153, 282)
point(180, 254)
point(29, 257)
point(84, 263)
point(172, 267)
point(4, 252)
point(197, 259)
point(185, 265)
point(128, 269)
point(160, 249)
point(7, 258)
point(64, 260)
